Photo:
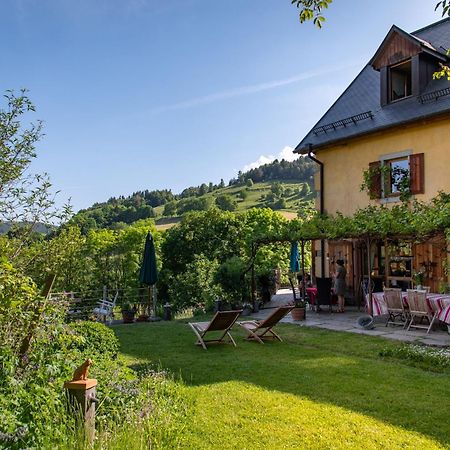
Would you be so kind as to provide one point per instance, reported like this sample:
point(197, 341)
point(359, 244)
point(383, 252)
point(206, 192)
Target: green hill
point(281, 185)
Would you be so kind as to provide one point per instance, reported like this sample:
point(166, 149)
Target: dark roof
point(358, 110)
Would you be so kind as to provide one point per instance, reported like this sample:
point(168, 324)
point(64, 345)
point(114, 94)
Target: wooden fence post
point(82, 399)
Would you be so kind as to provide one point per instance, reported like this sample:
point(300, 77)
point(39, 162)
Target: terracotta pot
point(143, 318)
point(298, 314)
point(128, 316)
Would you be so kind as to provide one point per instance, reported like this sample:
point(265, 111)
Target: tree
point(25, 199)
point(203, 189)
point(192, 204)
point(170, 209)
point(249, 182)
point(225, 203)
point(312, 10)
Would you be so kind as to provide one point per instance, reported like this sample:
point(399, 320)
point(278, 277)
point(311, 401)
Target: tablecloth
point(439, 303)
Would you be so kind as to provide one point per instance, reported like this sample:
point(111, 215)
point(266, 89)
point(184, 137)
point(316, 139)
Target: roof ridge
point(431, 25)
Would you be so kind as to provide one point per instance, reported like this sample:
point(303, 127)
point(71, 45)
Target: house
point(395, 116)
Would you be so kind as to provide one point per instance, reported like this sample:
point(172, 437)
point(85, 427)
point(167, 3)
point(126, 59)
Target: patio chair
point(418, 307)
point(222, 321)
point(104, 311)
point(324, 295)
point(258, 331)
point(396, 309)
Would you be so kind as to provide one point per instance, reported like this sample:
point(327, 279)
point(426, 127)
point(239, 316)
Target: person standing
point(339, 284)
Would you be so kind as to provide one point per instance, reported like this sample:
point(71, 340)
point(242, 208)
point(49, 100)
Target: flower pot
point(128, 316)
point(143, 318)
point(298, 314)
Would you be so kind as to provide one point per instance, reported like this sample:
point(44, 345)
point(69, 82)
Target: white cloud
point(286, 153)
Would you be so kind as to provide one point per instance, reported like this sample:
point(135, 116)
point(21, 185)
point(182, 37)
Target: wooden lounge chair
point(258, 331)
point(222, 321)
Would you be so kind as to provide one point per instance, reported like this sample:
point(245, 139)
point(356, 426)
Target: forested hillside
point(280, 185)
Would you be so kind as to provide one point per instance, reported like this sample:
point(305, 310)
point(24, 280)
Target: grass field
point(317, 389)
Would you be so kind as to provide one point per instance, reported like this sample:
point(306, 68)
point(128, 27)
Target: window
point(396, 176)
point(400, 81)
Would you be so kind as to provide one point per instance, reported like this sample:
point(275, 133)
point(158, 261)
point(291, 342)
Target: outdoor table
point(439, 303)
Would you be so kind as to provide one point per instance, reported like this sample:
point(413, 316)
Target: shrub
point(243, 194)
point(95, 338)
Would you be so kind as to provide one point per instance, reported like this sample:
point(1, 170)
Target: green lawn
point(317, 389)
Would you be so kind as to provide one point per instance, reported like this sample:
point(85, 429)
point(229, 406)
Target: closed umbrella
point(148, 274)
point(295, 258)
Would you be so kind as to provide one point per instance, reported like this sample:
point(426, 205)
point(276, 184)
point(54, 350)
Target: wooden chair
point(396, 308)
point(104, 311)
point(258, 331)
point(418, 307)
point(222, 321)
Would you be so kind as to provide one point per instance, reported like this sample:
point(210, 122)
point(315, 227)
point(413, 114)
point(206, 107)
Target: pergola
point(416, 222)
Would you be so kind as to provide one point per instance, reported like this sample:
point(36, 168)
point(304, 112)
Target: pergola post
point(253, 281)
point(302, 254)
point(368, 241)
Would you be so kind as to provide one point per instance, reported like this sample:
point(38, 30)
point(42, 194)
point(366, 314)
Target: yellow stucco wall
point(344, 164)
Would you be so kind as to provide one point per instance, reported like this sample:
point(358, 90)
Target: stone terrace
point(348, 322)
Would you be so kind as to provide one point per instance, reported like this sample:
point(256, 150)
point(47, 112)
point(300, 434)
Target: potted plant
point(299, 311)
point(418, 278)
point(128, 312)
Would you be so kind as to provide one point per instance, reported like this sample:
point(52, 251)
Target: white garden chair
point(104, 311)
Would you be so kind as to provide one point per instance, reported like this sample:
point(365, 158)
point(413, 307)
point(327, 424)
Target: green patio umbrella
point(294, 257)
point(148, 274)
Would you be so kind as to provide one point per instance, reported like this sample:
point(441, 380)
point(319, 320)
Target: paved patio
point(348, 322)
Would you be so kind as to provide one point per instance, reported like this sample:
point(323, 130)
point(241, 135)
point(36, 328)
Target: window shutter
point(375, 180)
point(416, 169)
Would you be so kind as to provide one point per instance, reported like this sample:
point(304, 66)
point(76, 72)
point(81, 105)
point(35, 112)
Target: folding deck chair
point(258, 331)
point(222, 321)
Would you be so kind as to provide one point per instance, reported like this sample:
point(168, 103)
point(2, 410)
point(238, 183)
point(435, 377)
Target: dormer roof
point(399, 45)
point(358, 110)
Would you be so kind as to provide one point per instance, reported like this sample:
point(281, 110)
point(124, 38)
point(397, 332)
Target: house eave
point(305, 148)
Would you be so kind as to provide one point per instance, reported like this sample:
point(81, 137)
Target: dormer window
point(400, 81)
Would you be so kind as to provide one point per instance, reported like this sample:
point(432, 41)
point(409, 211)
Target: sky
point(166, 94)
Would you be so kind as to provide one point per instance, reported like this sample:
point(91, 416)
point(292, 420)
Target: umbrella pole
point(155, 294)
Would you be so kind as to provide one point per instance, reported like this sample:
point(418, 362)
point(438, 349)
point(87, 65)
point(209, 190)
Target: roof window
point(400, 81)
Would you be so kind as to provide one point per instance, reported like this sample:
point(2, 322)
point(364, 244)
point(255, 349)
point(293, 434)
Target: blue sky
point(153, 94)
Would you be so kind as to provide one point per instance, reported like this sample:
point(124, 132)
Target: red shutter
point(375, 180)
point(416, 169)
